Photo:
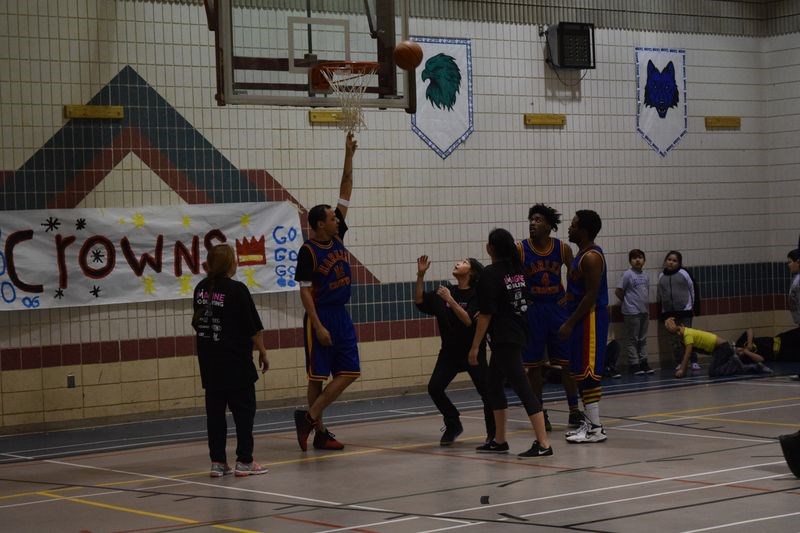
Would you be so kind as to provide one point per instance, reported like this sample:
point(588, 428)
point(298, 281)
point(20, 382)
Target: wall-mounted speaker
point(571, 45)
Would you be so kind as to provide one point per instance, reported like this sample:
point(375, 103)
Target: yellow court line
point(142, 513)
point(738, 421)
point(725, 406)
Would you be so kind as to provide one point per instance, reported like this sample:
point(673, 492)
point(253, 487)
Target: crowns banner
point(74, 257)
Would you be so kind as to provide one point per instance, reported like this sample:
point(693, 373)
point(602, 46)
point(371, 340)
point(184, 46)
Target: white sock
point(592, 412)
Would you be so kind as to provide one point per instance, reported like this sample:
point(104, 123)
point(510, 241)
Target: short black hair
point(475, 269)
point(636, 253)
point(794, 255)
point(589, 221)
point(317, 214)
point(552, 216)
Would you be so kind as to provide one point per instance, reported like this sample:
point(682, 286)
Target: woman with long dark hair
point(228, 326)
point(502, 306)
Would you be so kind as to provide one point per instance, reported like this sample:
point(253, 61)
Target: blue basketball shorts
point(339, 359)
point(544, 319)
point(588, 345)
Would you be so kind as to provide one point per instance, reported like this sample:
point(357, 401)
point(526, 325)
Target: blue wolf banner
point(661, 107)
point(74, 257)
point(444, 93)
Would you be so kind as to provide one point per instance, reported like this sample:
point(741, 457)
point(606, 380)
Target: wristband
point(342, 202)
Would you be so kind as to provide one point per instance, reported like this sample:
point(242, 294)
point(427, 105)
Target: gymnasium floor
point(689, 455)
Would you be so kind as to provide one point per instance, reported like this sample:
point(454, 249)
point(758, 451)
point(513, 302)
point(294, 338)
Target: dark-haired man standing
point(543, 257)
point(323, 271)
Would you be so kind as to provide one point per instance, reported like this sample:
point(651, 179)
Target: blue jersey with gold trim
point(331, 278)
point(576, 286)
point(543, 270)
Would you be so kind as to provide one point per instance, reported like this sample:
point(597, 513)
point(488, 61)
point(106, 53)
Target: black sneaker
point(536, 451)
point(492, 447)
point(646, 367)
point(575, 419)
point(451, 431)
point(637, 370)
point(547, 425)
point(614, 373)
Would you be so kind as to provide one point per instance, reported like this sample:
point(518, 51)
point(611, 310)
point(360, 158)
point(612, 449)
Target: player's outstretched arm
point(346, 186)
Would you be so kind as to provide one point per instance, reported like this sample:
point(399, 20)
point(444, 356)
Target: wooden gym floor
point(689, 455)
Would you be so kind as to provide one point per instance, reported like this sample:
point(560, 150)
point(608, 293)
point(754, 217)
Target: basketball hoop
point(348, 81)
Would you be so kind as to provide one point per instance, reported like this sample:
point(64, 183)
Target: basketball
point(408, 55)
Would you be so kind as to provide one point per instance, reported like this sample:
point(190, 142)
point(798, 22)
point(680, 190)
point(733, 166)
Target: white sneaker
point(585, 426)
point(696, 366)
point(590, 433)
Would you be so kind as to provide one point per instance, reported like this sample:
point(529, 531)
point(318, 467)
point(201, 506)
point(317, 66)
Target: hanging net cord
point(349, 83)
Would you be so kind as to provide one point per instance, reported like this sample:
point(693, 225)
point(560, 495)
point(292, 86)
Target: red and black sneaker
point(324, 440)
point(303, 423)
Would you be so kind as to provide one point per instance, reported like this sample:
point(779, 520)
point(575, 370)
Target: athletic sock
point(593, 412)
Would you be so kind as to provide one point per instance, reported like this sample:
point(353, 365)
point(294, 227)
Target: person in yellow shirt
point(726, 361)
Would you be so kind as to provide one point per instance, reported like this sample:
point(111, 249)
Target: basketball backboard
point(265, 50)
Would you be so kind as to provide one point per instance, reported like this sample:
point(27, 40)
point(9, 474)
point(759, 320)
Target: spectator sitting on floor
point(726, 361)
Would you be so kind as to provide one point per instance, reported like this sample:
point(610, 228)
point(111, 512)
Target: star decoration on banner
point(59, 294)
point(95, 291)
point(245, 220)
point(51, 224)
point(186, 221)
point(149, 283)
point(186, 285)
point(138, 220)
point(97, 256)
point(80, 224)
point(250, 278)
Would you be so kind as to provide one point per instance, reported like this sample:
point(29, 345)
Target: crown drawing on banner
point(251, 252)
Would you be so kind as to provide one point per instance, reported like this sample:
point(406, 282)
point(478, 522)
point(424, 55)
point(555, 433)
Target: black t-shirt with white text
point(456, 336)
point(501, 293)
point(224, 344)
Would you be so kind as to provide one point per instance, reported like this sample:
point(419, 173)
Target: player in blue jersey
point(323, 271)
point(543, 257)
point(587, 325)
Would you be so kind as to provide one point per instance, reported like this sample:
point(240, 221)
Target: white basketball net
point(349, 85)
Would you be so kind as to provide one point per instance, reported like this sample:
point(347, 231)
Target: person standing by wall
point(676, 295)
point(633, 291)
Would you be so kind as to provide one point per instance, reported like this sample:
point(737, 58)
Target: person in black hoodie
point(502, 306)
point(455, 307)
point(676, 293)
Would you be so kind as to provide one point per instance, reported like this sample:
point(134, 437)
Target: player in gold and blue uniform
point(587, 325)
point(543, 258)
point(329, 336)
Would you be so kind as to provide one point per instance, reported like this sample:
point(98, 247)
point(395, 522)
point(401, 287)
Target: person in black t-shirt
point(226, 333)
point(454, 307)
point(502, 306)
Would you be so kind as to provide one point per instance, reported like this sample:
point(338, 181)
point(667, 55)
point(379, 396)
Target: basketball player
point(543, 257)
point(587, 325)
point(323, 271)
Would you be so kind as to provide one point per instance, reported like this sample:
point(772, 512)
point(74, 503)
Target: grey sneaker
point(220, 469)
point(249, 469)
